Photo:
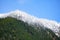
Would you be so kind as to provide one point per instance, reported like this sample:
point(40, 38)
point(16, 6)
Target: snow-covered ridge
point(20, 15)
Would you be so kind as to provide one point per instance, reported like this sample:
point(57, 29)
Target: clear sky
point(49, 9)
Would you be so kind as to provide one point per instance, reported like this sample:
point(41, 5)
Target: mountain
point(18, 25)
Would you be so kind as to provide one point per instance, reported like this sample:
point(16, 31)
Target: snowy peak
point(20, 15)
point(23, 16)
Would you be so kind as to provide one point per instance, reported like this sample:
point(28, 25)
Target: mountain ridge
point(20, 15)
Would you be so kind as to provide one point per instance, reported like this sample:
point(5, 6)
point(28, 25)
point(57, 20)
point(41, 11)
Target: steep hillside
point(32, 20)
point(13, 29)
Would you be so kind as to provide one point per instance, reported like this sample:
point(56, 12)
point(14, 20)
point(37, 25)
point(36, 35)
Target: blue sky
point(49, 9)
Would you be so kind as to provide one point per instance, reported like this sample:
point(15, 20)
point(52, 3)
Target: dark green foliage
point(13, 29)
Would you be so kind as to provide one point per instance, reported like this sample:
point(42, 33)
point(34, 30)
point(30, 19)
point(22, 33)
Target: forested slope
point(13, 29)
